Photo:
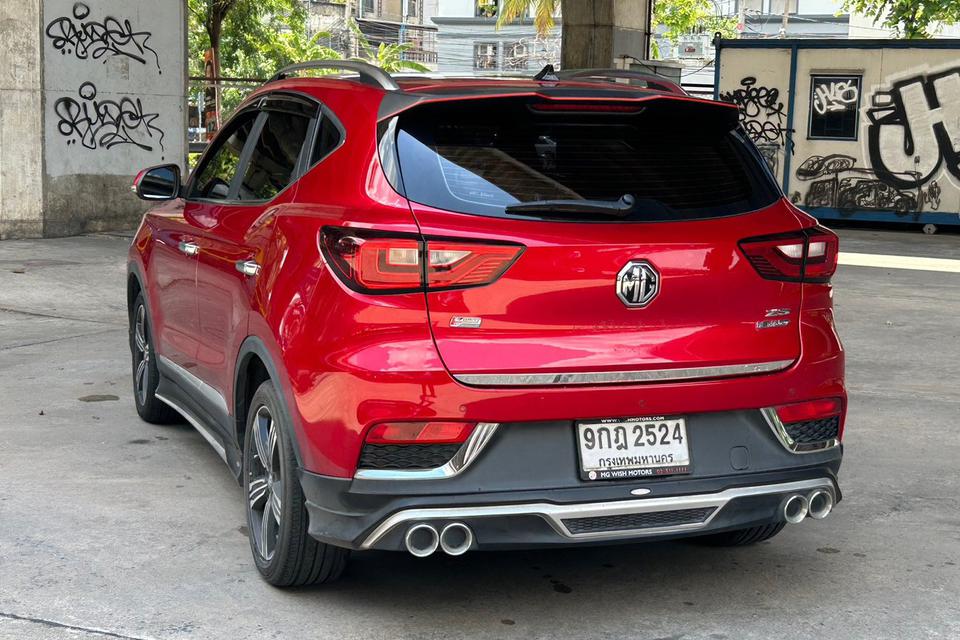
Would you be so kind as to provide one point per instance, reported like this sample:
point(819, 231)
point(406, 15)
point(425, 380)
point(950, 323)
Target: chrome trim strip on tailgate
point(554, 514)
point(615, 377)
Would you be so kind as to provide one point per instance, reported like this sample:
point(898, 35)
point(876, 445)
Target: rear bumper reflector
point(617, 377)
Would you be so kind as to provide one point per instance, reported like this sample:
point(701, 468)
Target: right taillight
point(803, 256)
point(373, 262)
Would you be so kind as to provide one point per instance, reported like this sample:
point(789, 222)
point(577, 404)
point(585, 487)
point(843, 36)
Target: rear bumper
point(596, 513)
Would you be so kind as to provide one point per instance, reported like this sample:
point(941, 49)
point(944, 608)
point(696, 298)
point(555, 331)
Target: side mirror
point(158, 183)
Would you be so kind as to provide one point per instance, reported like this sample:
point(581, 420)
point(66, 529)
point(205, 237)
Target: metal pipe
point(421, 540)
point(456, 539)
point(820, 504)
point(795, 509)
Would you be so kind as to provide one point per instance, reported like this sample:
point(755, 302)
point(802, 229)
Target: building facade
point(862, 129)
point(380, 21)
point(469, 42)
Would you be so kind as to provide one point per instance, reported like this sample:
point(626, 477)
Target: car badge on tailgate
point(465, 322)
point(638, 283)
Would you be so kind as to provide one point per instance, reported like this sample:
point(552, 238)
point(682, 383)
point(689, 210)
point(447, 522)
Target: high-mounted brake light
point(420, 433)
point(804, 256)
point(586, 107)
point(376, 263)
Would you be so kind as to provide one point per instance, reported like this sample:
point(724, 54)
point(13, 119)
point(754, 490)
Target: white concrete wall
point(21, 170)
point(113, 104)
point(906, 155)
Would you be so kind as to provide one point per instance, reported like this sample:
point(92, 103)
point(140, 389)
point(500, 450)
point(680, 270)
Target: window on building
point(515, 56)
point(412, 6)
point(368, 7)
point(485, 56)
point(834, 106)
point(487, 8)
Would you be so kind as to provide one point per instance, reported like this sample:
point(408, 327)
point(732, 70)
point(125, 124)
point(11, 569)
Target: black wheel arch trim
point(254, 346)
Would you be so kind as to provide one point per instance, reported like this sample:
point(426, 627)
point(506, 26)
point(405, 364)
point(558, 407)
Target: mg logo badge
point(638, 283)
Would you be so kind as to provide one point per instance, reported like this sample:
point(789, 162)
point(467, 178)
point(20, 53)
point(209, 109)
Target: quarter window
point(328, 139)
point(217, 173)
point(275, 155)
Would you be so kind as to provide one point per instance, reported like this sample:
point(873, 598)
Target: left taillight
point(373, 262)
point(803, 256)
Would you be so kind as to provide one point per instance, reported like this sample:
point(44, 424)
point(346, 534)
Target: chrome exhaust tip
point(456, 539)
point(795, 509)
point(820, 504)
point(421, 540)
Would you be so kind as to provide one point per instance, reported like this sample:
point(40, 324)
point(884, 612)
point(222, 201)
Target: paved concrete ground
point(110, 527)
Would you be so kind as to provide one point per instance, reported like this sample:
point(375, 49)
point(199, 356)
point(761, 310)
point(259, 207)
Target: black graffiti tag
point(88, 39)
point(104, 124)
point(913, 127)
point(836, 181)
point(762, 112)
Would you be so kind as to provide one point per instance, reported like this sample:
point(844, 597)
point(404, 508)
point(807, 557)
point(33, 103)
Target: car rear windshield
point(661, 160)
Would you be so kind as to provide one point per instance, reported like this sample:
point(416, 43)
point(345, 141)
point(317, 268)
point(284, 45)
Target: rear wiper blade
point(619, 208)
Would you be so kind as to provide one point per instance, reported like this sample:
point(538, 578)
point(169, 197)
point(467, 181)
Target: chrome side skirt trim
point(191, 382)
point(554, 514)
point(770, 415)
point(196, 425)
point(618, 377)
point(471, 449)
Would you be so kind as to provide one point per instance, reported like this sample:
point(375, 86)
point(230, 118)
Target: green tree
point(255, 38)
point(242, 33)
point(909, 18)
point(680, 17)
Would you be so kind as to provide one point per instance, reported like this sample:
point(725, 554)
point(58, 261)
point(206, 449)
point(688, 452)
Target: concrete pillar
point(597, 32)
point(21, 118)
point(92, 91)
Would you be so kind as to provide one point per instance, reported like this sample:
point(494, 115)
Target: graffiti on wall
point(914, 129)
point(85, 119)
point(104, 124)
point(835, 94)
point(78, 35)
point(836, 181)
point(762, 114)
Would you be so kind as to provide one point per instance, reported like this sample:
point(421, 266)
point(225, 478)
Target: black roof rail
point(652, 81)
point(368, 73)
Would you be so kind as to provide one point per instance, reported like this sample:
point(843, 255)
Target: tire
point(285, 554)
point(741, 537)
point(146, 376)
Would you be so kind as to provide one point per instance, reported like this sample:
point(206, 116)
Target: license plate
point(619, 449)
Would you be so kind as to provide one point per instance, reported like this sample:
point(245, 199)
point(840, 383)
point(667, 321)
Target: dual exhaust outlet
point(423, 539)
point(817, 504)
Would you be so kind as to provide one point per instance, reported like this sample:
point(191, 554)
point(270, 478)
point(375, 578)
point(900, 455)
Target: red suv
point(433, 315)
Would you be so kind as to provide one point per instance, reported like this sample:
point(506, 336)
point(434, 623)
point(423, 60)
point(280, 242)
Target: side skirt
point(208, 420)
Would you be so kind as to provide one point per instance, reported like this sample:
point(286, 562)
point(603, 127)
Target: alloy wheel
point(265, 485)
point(142, 355)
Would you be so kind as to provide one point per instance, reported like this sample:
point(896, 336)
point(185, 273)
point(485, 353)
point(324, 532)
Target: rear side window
point(668, 159)
point(274, 157)
point(216, 174)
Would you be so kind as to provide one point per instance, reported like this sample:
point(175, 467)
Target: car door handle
point(248, 267)
point(189, 248)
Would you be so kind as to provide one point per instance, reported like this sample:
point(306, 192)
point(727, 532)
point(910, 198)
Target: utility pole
point(786, 18)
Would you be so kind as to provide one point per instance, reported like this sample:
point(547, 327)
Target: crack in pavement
point(37, 314)
point(51, 340)
point(62, 625)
